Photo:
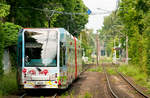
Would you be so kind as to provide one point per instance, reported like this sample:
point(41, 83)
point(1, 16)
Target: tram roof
point(61, 30)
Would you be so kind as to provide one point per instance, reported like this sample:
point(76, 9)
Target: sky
point(95, 22)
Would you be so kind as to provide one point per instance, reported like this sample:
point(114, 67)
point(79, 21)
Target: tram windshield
point(40, 48)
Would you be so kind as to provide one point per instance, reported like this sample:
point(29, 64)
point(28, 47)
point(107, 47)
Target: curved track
point(26, 95)
point(126, 80)
point(23, 95)
point(135, 88)
point(108, 83)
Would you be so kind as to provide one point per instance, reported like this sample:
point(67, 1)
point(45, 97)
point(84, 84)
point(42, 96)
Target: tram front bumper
point(40, 84)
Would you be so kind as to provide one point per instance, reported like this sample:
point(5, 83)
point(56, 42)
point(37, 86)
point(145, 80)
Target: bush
point(8, 37)
point(8, 84)
point(11, 33)
point(1, 48)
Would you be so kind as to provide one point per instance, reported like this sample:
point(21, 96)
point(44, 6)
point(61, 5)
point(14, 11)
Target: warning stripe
point(75, 58)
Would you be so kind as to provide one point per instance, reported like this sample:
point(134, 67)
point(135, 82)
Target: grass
point(70, 95)
point(111, 71)
point(8, 84)
point(96, 69)
point(105, 60)
point(66, 94)
point(137, 74)
point(87, 95)
point(0, 94)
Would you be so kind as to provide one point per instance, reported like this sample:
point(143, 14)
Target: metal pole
point(48, 15)
point(126, 49)
point(114, 54)
point(97, 48)
point(49, 25)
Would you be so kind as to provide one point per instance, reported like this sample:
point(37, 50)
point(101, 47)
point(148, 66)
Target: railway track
point(23, 95)
point(113, 93)
point(140, 92)
point(127, 81)
point(108, 83)
point(87, 67)
point(26, 95)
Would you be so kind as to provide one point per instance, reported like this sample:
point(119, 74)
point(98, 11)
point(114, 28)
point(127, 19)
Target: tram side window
point(19, 50)
point(62, 55)
point(69, 55)
point(20, 54)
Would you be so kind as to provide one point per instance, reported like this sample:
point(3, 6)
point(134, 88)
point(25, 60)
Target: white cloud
point(96, 21)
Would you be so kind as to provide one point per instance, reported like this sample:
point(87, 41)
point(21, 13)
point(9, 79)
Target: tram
point(48, 58)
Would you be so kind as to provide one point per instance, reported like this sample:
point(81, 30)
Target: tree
point(72, 22)
point(132, 20)
point(113, 29)
point(4, 10)
point(88, 42)
point(10, 31)
point(132, 17)
point(37, 14)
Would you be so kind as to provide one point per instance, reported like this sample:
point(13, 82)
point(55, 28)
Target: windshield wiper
point(38, 69)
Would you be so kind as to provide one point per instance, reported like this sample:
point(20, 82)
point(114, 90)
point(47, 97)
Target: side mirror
point(27, 59)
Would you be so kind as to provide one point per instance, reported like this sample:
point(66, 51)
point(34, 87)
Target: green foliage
point(87, 95)
point(41, 96)
point(8, 83)
point(54, 17)
point(10, 33)
point(9, 36)
point(4, 9)
point(88, 42)
point(26, 13)
point(1, 48)
point(67, 94)
point(132, 20)
point(0, 94)
point(72, 22)
point(135, 18)
point(29, 14)
point(113, 29)
point(13, 55)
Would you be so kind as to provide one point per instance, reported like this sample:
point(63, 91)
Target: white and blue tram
point(48, 58)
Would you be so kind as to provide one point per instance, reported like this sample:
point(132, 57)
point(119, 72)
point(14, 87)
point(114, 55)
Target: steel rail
point(140, 92)
point(108, 83)
point(55, 95)
point(23, 95)
point(135, 88)
point(87, 67)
